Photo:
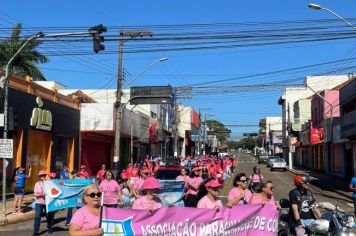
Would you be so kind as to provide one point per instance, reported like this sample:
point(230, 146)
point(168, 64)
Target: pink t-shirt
point(39, 189)
point(85, 219)
point(236, 192)
point(257, 199)
point(142, 203)
point(256, 178)
point(206, 202)
point(83, 174)
point(110, 188)
point(138, 184)
point(182, 178)
point(100, 174)
point(196, 181)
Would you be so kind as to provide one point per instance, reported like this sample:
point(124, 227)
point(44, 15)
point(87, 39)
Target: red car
point(168, 172)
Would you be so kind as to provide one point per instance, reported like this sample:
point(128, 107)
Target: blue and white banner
point(61, 194)
point(172, 193)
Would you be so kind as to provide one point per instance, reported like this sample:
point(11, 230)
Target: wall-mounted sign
point(41, 118)
point(6, 148)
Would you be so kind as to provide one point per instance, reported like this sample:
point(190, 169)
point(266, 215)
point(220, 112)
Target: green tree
point(26, 63)
point(219, 127)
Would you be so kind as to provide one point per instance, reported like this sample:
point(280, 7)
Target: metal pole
point(204, 134)
point(131, 142)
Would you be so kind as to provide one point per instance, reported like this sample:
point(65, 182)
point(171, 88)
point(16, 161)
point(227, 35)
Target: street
point(282, 181)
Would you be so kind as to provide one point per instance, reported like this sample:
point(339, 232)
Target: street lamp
point(147, 68)
point(318, 7)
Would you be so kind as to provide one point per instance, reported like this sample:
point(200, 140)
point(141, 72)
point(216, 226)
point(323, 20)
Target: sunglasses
point(92, 195)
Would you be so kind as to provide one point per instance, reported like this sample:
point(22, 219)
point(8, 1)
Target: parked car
point(278, 163)
point(168, 173)
point(262, 159)
point(270, 160)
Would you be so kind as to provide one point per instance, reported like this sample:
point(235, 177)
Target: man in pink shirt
point(210, 200)
point(83, 173)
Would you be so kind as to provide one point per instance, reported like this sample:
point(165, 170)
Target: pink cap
point(42, 172)
point(82, 166)
point(212, 184)
point(52, 175)
point(196, 169)
point(21, 168)
point(151, 183)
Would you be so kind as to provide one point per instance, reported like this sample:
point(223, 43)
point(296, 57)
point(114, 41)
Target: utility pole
point(131, 34)
point(175, 143)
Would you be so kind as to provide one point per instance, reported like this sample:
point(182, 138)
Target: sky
point(234, 65)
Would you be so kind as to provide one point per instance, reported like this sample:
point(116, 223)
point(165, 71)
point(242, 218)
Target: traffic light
point(97, 38)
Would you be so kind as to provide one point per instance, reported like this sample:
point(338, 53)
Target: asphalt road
point(282, 181)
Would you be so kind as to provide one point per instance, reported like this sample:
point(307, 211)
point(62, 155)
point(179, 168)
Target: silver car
point(278, 163)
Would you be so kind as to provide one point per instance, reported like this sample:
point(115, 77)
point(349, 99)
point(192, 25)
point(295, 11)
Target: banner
point(172, 193)
point(61, 194)
point(240, 220)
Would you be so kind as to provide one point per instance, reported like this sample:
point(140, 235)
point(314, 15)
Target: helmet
point(256, 168)
point(300, 179)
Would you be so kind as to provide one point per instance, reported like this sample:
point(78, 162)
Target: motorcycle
point(334, 221)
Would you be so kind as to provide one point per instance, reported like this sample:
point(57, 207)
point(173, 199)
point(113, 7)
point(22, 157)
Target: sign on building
point(6, 148)
point(151, 95)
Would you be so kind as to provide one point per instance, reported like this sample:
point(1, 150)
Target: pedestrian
point(210, 200)
point(239, 194)
point(51, 214)
point(255, 178)
point(137, 186)
point(125, 192)
point(353, 189)
point(83, 173)
point(264, 194)
point(111, 190)
point(193, 184)
point(19, 189)
point(101, 172)
point(64, 173)
point(40, 204)
point(149, 201)
point(85, 221)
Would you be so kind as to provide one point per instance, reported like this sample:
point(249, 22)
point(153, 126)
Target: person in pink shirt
point(210, 200)
point(111, 190)
point(85, 221)
point(193, 185)
point(137, 186)
point(255, 178)
point(101, 172)
point(83, 173)
point(264, 194)
point(183, 177)
point(149, 201)
point(239, 194)
point(40, 204)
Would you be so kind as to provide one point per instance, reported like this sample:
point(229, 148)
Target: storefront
point(44, 126)
point(317, 144)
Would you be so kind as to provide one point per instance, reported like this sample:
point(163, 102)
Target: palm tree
point(26, 63)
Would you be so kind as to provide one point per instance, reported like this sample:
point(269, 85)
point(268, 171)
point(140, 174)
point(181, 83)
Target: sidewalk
point(29, 213)
point(325, 181)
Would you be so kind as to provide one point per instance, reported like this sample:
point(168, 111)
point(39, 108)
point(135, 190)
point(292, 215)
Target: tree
point(220, 129)
point(248, 143)
point(26, 63)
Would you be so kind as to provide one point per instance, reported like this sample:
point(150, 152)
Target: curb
point(295, 172)
point(14, 220)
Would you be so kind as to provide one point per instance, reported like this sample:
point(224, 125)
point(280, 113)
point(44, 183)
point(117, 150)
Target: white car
point(278, 163)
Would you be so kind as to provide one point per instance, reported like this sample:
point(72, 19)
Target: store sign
point(6, 148)
point(41, 118)
point(277, 137)
point(316, 135)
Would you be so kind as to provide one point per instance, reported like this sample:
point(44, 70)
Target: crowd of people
point(136, 187)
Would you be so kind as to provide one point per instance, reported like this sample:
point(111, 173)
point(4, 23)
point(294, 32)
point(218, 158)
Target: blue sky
point(185, 67)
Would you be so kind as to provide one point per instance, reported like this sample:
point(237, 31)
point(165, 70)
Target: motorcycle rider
point(301, 198)
point(255, 178)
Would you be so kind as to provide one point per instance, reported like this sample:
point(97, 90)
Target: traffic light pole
point(4, 82)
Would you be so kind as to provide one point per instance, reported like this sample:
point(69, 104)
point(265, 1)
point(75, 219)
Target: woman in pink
point(111, 190)
point(240, 194)
point(137, 185)
point(85, 221)
point(101, 172)
point(193, 185)
point(149, 201)
point(255, 178)
point(210, 199)
point(264, 194)
point(40, 204)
